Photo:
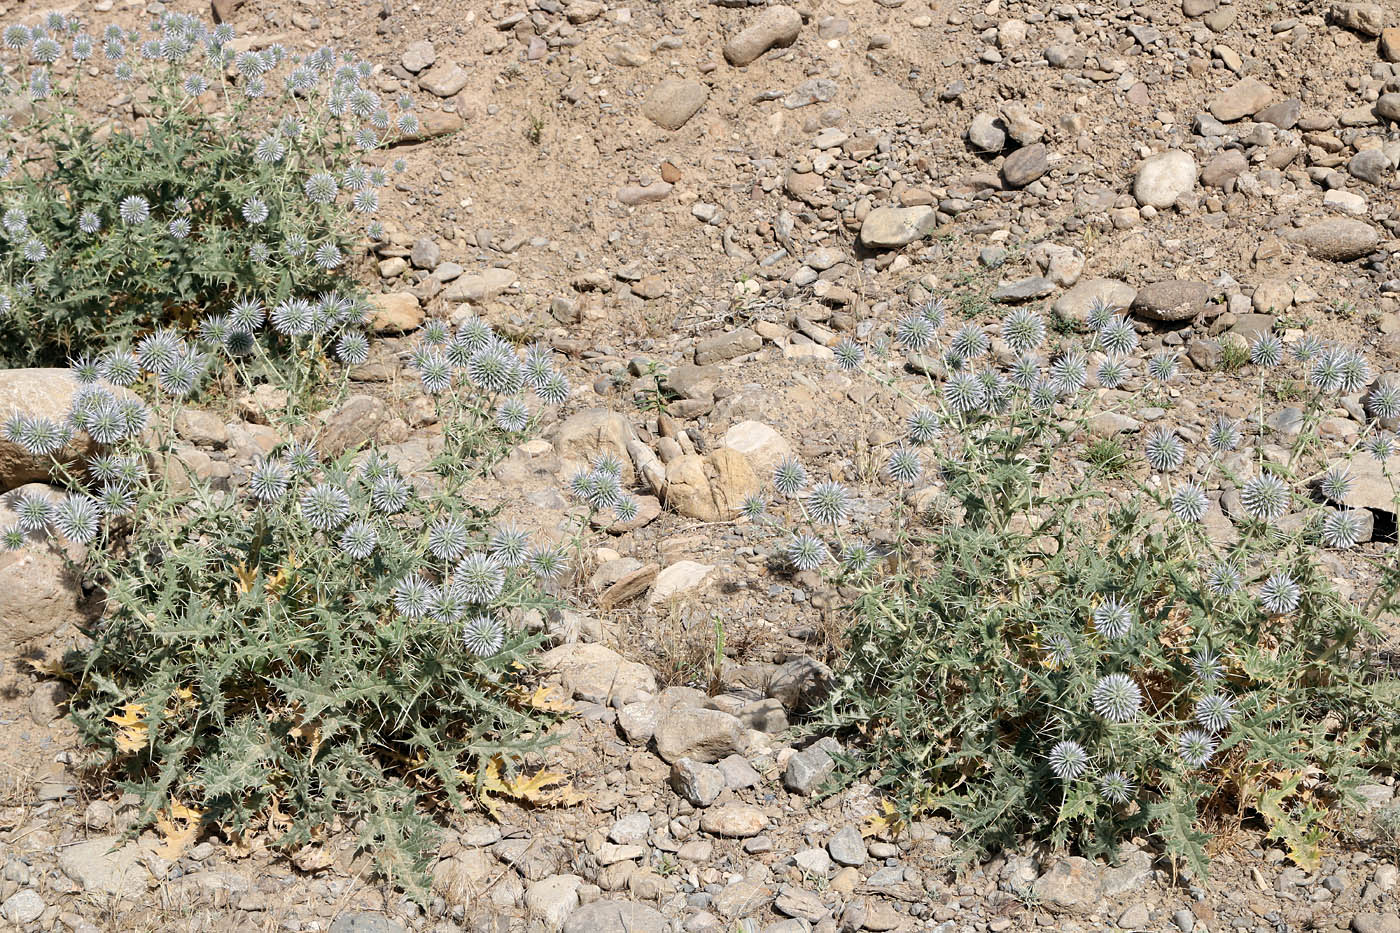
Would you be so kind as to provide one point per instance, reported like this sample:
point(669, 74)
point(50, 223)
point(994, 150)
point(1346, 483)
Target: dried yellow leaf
point(179, 827)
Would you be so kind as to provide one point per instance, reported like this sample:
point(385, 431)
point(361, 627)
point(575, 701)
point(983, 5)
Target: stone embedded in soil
point(1376, 922)
point(633, 195)
point(615, 916)
point(775, 27)
point(99, 870)
point(1025, 165)
point(1366, 18)
point(681, 578)
point(1074, 305)
point(1388, 106)
point(893, 227)
point(352, 424)
point(432, 124)
point(1026, 289)
point(764, 446)
point(1223, 168)
point(726, 346)
point(553, 899)
point(1164, 177)
point(672, 103)
point(705, 735)
point(444, 80)
point(419, 55)
point(394, 313)
point(1243, 99)
point(698, 782)
point(1389, 46)
point(847, 847)
point(1371, 166)
point(734, 821)
point(38, 593)
point(481, 287)
point(1336, 239)
point(598, 674)
point(986, 133)
point(589, 433)
point(807, 769)
point(1172, 300)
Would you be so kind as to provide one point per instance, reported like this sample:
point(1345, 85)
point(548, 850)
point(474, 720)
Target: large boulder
point(39, 594)
point(590, 433)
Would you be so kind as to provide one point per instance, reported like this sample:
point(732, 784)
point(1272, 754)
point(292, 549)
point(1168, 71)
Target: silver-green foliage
point(337, 643)
point(241, 181)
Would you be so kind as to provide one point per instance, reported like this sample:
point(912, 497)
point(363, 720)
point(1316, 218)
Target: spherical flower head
point(1113, 618)
point(104, 422)
point(89, 221)
point(321, 188)
point(449, 606)
point(352, 348)
point(181, 377)
point(1207, 665)
point(483, 635)
point(1265, 497)
point(1343, 529)
point(1383, 401)
point(300, 457)
point(1354, 373)
point(389, 494)
point(848, 355)
point(1224, 578)
point(116, 499)
point(12, 538)
point(1069, 373)
point(1101, 312)
point(270, 150)
point(1267, 351)
point(904, 465)
point(607, 462)
point(407, 124)
point(365, 201)
point(1336, 483)
point(268, 480)
point(806, 552)
point(1112, 373)
point(325, 506)
point(1116, 788)
point(1381, 446)
point(354, 178)
point(1189, 503)
point(1325, 373)
point(1025, 370)
point(158, 351)
point(35, 251)
point(1215, 711)
point(1163, 366)
point(828, 503)
point(548, 562)
point(923, 426)
point(964, 393)
point(1279, 595)
point(254, 210)
point(789, 476)
point(179, 228)
point(359, 539)
point(753, 507)
point(1164, 450)
point(915, 333)
point(1306, 348)
point(76, 517)
point(328, 256)
point(1068, 760)
point(16, 36)
point(510, 546)
point(627, 509)
point(413, 596)
point(857, 558)
point(448, 538)
point(1116, 698)
point(33, 511)
point(1118, 337)
point(512, 416)
point(1196, 748)
point(1023, 330)
point(554, 390)
point(134, 210)
point(434, 371)
point(495, 369)
point(970, 341)
point(1224, 435)
point(15, 222)
point(1059, 650)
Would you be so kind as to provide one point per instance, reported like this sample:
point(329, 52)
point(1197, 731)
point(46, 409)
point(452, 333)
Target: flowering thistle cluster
point(271, 197)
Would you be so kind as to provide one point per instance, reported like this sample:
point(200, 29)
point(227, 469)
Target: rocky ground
point(717, 194)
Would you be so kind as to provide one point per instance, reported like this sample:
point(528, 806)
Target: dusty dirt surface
point(693, 204)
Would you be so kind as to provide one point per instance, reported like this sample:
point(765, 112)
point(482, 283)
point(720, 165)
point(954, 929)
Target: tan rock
point(39, 393)
point(590, 433)
point(38, 592)
point(710, 488)
point(394, 313)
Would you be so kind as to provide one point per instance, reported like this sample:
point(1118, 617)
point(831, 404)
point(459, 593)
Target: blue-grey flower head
point(1279, 595)
point(1189, 503)
point(806, 552)
point(1164, 450)
point(448, 538)
point(483, 635)
point(1215, 712)
point(1117, 698)
point(1068, 760)
point(789, 477)
point(1343, 528)
point(1265, 497)
point(1116, 787)
point(1023, 330)
point(325, 506)
point(1113, 618)
point(1196, 748)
